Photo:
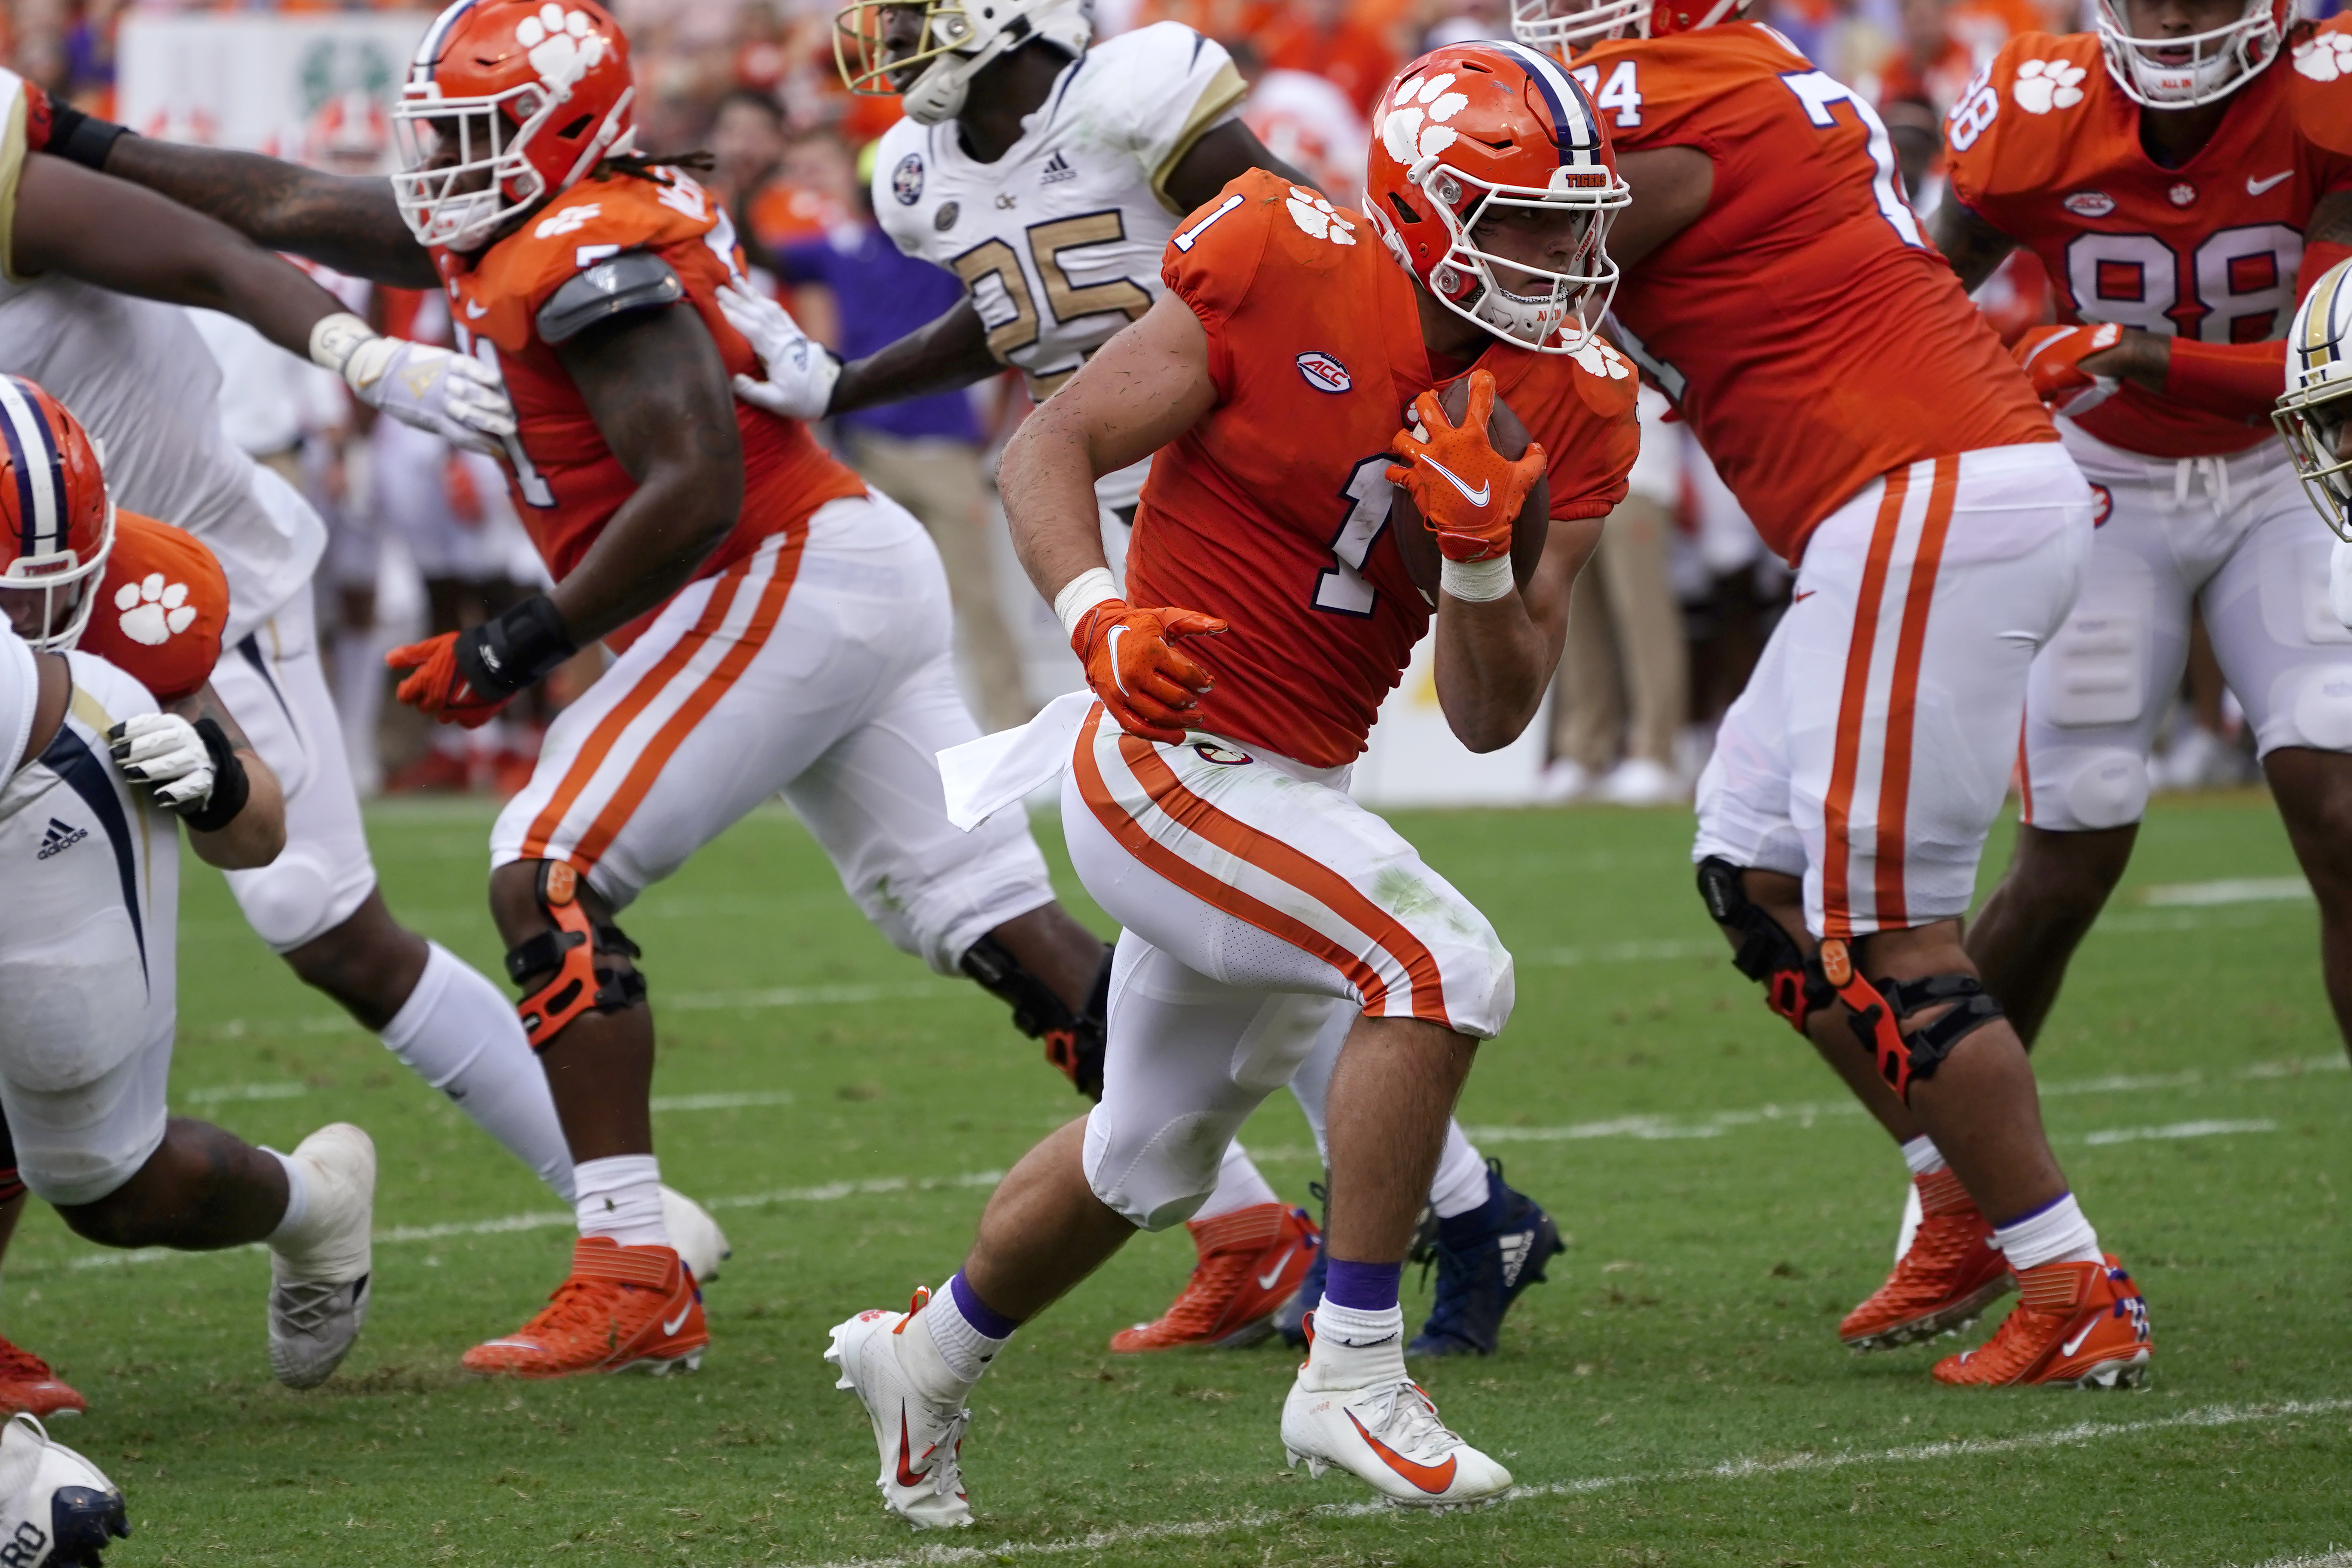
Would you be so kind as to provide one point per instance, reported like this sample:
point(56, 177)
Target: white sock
point(1239, 1186)
point(1355, 1348)
point(1921, 1154)
point(963, 1348)
point(1460, 1183)
point(297, 1196)
point(459, 1034)
point(2055, 1233)
point(620, 1196)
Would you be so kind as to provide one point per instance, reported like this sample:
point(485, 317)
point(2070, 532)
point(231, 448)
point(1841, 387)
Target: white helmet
point(2220, 60)
point(57, 1510)
point(957, 39)
point(1564, 26)
point(2312, 416)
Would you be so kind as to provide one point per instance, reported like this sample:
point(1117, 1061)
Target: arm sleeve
point(2236, 380)
point(1212, 260)
point(1171, 88)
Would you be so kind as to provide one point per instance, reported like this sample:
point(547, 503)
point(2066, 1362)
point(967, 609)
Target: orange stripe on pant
point(666, 740)
point(1278, 859)
point(1201, 885)
point(1903, 700)
point(1837, 808)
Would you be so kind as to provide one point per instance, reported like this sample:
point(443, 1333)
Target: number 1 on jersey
point(1342, 589)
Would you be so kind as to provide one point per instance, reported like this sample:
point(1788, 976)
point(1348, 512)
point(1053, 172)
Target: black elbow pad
point(632, 280)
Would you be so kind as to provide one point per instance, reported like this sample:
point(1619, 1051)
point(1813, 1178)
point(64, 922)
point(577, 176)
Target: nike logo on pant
point(1478, 497)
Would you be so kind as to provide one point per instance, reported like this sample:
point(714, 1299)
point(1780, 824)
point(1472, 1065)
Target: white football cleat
point(921, 1439)
point(1389, 1436)
point(699, 1242)
point(57, 1510)
point(319, 1276)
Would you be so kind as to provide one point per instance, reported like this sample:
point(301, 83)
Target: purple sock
point(1362, 1287)
point(979, 1313)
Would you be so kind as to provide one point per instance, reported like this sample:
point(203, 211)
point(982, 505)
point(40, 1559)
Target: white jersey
point(138, 376)
point(1059, 240)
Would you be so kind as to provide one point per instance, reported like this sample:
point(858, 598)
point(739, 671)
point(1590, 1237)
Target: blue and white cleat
point(1485, 1259)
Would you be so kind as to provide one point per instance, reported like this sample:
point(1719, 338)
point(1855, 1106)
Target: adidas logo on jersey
point(1057, 169)
point(60, 837)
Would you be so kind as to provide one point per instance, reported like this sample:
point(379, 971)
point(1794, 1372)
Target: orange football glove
point(438, 688)
point(1135, 669)
point(2051, 358)
point(1467, 493)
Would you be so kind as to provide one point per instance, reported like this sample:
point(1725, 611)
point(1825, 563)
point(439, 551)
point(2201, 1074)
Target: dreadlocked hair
point(644, 165)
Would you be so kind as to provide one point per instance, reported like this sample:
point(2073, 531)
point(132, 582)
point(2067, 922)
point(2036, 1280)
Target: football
point(1419, 546)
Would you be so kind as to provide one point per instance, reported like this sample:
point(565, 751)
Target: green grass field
point(1675, 1395)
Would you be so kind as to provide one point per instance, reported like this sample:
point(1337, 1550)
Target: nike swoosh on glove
point(438, 688)
point(1468, 493)
point(453, 396)
point(163, 751)
point(2051, 358)
point(801, 371)
point(1135, 669)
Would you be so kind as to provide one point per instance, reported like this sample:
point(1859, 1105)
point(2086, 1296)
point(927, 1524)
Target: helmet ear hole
point(1403, 208)
point(577, 127)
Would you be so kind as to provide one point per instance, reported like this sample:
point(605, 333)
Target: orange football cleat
point(1251, 1263)
point(1952, 1273)
point(624, 1308)
point(2078, 1324)
point(27, 1386)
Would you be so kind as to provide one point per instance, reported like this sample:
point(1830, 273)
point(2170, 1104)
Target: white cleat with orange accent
point(888, 1361)
point(1387, 1432)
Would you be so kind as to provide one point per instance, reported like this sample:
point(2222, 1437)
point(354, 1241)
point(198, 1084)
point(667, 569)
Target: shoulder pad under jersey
point(632, 280)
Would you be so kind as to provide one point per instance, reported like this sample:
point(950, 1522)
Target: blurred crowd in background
point(1666, 623)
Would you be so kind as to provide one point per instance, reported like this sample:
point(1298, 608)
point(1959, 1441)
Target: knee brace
point(1794, 987)
point(579, 985)
point(1074, 1041)
point(1879, 1012)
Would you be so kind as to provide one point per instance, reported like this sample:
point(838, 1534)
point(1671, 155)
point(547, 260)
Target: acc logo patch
point(2102, 505)
point(1325, 373)
point(2090, 203)
point(1223, 756)
point(907, 180)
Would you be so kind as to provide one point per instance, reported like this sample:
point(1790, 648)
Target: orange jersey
point(163, 602)
point(2045, 148)
point(1806, 329)
point(1273, 511)
point(571, 484)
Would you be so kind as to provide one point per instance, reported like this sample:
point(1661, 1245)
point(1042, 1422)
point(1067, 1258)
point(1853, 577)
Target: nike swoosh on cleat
point(907, 1477)
point(672, 1325)
point(1265, 1281)
point(2071, 1346)
point(1478, 497)
point(2256, 187)
point(474, 311)
point(1431, 1479)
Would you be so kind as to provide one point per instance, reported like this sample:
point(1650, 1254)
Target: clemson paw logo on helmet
point(1414, 126)
point(2044, 85)
point(153, 612)
point(1319, 217)
point(562, 45)
point(2327, 56)
point(1597, 358)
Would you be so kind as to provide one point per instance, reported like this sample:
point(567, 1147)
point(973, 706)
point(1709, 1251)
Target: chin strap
point(579, 983)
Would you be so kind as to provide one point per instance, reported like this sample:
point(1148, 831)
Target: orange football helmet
point(1563, 26)
point(58, 519)
point(1473, 136)
point(507, 102)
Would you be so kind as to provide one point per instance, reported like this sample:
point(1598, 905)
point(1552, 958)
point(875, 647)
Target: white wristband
point(334, 337)
point(1083, 592)
point(1476, 582)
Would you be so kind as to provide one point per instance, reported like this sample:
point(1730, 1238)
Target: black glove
point(515, 649)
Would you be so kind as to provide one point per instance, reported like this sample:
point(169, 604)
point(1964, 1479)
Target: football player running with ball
point(1272, 602)
point(1886, 446)
point(2175, 173)
point(1047, 171)
point(96, 762)
point(779, 628)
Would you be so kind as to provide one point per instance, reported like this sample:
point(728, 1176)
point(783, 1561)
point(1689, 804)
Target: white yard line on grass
point(2228, 890)
point(1735, 1469)
point(2179, 1129)
point(2331, 1558)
